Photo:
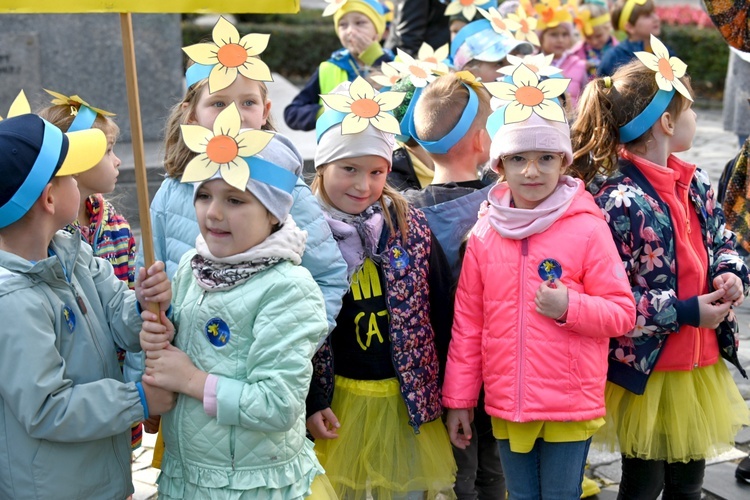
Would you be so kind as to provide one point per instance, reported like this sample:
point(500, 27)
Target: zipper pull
point(81, 303)
point(203, 295)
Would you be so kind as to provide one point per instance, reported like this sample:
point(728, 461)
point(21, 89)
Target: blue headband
point(269, 173)
point(197, 72)
point(409, 114)
point(444, 144)
point(84, 120)
point(327, 120)
point(467, 31)
point(40, 174)
point(646, 119)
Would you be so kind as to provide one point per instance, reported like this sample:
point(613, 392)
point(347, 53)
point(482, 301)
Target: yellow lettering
point(356, 330)
point(366, 281)
point(373, 330)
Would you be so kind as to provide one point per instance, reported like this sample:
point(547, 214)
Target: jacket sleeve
point(463, 372)
point(322, 256)
point(441, 301)
point(606, 307)
point(279, 367)
point(38, 392)
point(302, 112)
point(411, 25)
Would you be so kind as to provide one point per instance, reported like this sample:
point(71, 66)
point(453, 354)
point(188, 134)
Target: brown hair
point(398, 202)
point(638, 10)
point(176, 154)
point(62, 117)
point(441, 104)
point(595, 134)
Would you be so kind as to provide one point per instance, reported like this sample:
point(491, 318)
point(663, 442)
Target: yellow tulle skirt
point(377, 453)
point(681, 416)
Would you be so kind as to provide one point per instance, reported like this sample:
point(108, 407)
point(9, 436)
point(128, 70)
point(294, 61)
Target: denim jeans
point(645, 479)
point(552, 471)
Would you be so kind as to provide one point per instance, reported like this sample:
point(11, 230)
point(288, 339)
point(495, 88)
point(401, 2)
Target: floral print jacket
point(627, 199)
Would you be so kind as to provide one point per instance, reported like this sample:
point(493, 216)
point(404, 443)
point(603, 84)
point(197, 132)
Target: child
point(66, 412)
point(241, 360)
point(638, 19)
point(447, 108)
point(671, 402)
point(595, 25)
point(385, 350)
point(541, 289)
point(98, 223)
point(359, 25)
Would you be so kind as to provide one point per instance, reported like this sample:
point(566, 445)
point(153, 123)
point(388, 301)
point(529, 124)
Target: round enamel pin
point(217, 332)
point(549, 269)
point(398, 257)
point(69, 317)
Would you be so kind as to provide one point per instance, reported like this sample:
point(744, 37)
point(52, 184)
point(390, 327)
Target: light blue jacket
point(65, 412)
point(175, 227)
point(258, 339)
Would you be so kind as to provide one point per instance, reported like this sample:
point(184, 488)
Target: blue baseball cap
point(479, 41)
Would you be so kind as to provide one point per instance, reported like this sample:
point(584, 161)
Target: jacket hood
point(569, 198)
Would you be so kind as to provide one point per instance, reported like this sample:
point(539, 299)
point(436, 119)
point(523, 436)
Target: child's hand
point(151, 424)
point(732, 284)
point(153, 287)
point(173, 370)
point(323, 424)
point(158, 400)
point(711, 310)
point(358, 43)
point(552, 299)
point(458, 423)
point(155, 335)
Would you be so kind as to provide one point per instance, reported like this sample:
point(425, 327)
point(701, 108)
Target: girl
point(392, 327)
point(595, 24)
point(541, 289)
point(249, 320)
point(671, 402)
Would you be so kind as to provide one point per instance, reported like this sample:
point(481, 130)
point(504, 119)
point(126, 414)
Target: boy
point(66, 413)
point(359, 25)
point(639, 21)
point(450, 204)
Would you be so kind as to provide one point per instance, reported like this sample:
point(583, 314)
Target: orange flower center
point(365, 108)
point(529, 96)
point(499, 23)
point(232, 55)
point(431, 60)
point(466, 3)
point(665, 69)
point(222, 149)
point(548, 15)
point(417, 71)
point(533, 68)
point(524, 26)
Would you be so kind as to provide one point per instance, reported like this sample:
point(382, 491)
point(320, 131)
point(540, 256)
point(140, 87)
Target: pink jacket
point(533, 367)
point(573, 67)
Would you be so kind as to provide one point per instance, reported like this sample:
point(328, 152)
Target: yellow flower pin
point(231, 55)
point(364, 108)
point(222, 149)
point(75, 103)
point(19, 106)
point(467, 8)
point(668, 70)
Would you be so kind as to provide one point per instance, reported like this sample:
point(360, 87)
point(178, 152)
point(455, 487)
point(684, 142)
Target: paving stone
point(743, 437)
point(721, 483)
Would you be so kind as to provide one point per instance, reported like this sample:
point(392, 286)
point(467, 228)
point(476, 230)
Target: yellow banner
point(149, 6)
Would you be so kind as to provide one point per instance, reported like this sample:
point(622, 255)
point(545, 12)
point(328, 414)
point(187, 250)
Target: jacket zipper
point(521, 321)
point(685, 202)
point(231, 444)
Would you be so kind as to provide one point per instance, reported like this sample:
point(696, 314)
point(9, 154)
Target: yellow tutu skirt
point(682, 416)
point(377, 453)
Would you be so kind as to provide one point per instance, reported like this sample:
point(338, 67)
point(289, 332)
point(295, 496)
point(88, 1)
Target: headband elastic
point(646, 119)
point(84, 119)
point(444, 144)
point(269, 173)
point(40, 174)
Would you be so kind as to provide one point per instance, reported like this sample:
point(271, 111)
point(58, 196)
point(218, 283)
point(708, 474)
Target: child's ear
point(47, 199)
point(480, 139)
point(266, 110)
point(667, 123)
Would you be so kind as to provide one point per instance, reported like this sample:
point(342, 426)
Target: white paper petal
point(195, 137)
point(338, 102)
point(353, 124)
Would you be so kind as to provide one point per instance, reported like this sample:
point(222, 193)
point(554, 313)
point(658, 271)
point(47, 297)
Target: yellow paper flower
point(365, 108)
point(501, 25)
point(420, 72)
point(668, 70)
point(333, 6)
point(538, 63)
point(527, 95)
point(74, 102)
point(551, 13)
point(222, 149)
point(467, 8)
point(468, 78)
point(19, 106)
point(582, 21)
point(229, 55)
point(434, 58)
point(389, 77)
point(527, 26)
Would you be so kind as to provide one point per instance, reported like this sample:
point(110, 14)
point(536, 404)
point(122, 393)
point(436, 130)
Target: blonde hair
point(62, 117)
point(398, 203)
point(602, 110)
point(638, 10)
point(176, 154)
point(441, 104)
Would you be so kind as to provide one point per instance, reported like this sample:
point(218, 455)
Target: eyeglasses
point(545, 162)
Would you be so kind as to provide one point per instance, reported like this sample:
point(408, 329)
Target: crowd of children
point(471, 335)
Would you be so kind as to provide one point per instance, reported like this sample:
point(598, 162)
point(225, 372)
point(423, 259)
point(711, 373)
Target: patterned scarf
point(214, 273)
point(356, 235)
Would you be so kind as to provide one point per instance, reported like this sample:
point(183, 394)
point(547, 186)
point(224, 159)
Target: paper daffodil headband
point(526, 95)
point(227, 56)
point(540, 64)
point(420, 72)
point(360, 109)
point(85, 114)
point(445, 143)
point(586, 24)
point(528, 25)
point(467, 8)
point(551, 13)
point(627, 11)
point(232, 152)
point(667, 71)
point(19, 106)
point(373, 9)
